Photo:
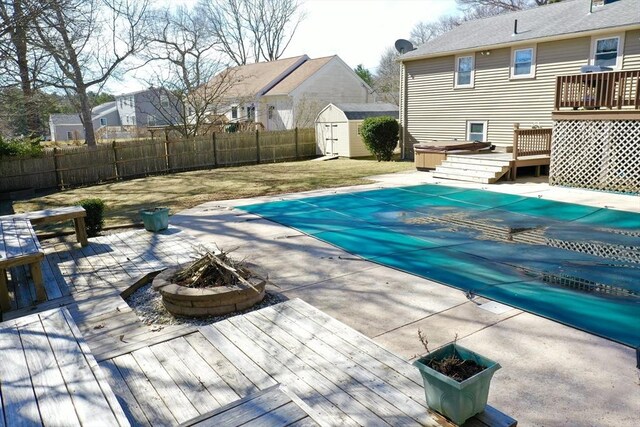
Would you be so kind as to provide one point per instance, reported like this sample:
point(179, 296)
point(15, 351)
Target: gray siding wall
point(432, 109)
point(149, 104)
point(61, 133)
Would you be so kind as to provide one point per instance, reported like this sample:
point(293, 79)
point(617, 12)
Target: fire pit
point(213, 285)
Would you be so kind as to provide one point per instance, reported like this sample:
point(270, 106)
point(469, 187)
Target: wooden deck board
point(349, 376)
point(206, 376)
point(172, 396)
point(146, 396)
point(49, 377)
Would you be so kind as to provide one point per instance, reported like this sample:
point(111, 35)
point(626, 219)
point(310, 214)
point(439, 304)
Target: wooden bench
point(19, 246)
point(76, 213)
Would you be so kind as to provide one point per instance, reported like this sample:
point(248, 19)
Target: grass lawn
point(123, 199)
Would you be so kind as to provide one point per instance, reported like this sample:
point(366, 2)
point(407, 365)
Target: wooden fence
point(76, 166)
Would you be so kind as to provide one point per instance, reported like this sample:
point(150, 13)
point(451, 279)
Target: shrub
point(380, 135)
point(20, 147)
point(95, 215)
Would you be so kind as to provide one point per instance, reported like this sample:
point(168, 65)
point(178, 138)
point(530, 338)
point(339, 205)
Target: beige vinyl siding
point(356, 145)
point(435, 110)
point(631, 50)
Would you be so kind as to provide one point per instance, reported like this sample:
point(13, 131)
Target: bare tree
point(387, 78)
point(251, 30)
point(186, 68)
point(20, 61)
point(88, 41)
point(425, 31)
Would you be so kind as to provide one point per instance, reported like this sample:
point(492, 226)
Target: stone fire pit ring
point(202, 302)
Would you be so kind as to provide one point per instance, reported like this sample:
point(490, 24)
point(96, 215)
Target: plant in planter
point(155, 219)
point(212, 285)
point(456, 380)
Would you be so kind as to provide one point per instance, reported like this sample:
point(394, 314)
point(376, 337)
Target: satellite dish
point(404, 46)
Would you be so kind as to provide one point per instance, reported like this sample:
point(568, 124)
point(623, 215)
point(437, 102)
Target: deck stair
point(483, 168)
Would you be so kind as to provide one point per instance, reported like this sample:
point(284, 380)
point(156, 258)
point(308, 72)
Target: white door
point(330, 135)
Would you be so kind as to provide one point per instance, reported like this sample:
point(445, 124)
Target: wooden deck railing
point(531, 142)
point(615, 89)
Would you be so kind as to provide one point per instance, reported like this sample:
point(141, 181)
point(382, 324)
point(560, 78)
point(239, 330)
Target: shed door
point(330, 136)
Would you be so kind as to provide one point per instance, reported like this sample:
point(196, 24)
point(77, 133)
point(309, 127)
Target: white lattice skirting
point(596, 154)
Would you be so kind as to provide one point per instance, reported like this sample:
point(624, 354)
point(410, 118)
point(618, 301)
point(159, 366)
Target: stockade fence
point(76, 166)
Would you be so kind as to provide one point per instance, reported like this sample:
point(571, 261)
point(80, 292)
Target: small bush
point(20, 147)
point(380, 135)
point(95, 215)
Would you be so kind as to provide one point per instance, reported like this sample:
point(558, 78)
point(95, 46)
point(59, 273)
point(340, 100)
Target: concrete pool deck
point(552, 374)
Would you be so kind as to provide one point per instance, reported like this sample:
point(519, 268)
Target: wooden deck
point(68, 268)
point(273, 407)
point(342, 376)
point(221, 374)
point(48, 375)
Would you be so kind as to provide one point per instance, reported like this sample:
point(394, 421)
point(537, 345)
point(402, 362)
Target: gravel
point(147, 304)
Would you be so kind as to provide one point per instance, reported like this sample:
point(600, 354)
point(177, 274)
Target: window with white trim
point(234, 112)
point(464, 73)
point(164, 101)
point(103, 122)
point(477, 131)
point(270, 111)
point(69, 135)
point(607, 51)
point(151, 120)
point(523, 63)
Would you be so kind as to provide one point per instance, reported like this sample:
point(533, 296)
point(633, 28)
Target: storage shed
point(338, 127)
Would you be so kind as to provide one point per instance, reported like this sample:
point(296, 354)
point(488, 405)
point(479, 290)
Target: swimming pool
point(576, 264)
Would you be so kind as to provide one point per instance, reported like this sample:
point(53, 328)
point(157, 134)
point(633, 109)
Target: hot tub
point(430, 155)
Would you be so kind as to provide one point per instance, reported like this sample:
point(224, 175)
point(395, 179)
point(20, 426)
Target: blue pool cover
point(576, 264)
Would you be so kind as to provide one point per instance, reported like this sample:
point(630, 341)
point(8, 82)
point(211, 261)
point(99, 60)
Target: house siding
point(433, 109)
point(334, 83)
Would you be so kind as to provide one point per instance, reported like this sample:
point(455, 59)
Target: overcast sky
point(358, 31)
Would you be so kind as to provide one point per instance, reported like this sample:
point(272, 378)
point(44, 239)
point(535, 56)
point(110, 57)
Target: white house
point(338, 127)
point(290, 92)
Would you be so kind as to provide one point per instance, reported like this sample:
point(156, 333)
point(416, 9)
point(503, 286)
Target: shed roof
point(567, 18)
point(362, 111)
point(299, 75)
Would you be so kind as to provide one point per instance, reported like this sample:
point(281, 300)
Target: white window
point(523, 63)
point(270, 111)
point(607, 51)
point(151, 120)
point(164, 101)
point(464, 73)
point(477, 131)
point(234, 112)
point(103, 122)
point(69, 135)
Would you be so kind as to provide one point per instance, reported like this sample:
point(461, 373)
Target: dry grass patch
point(180, 191)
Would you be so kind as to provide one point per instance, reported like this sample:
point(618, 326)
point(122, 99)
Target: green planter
point(457, 401)
point(155, 219)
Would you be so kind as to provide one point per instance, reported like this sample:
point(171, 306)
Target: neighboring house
point(477, 80)
point(68, 127)
point(125, 117)
point(290, 92)
point(338, 127)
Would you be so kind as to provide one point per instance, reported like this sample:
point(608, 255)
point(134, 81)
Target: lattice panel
point(596, 154)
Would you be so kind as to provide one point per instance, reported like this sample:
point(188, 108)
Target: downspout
point(403, 111)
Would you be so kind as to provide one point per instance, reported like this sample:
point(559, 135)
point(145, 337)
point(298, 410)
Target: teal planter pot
point(155, 219)
point(457, 401)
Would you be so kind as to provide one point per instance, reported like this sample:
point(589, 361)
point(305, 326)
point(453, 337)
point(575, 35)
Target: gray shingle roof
point(66, 119)
point(362, 111)
point(567, 18)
